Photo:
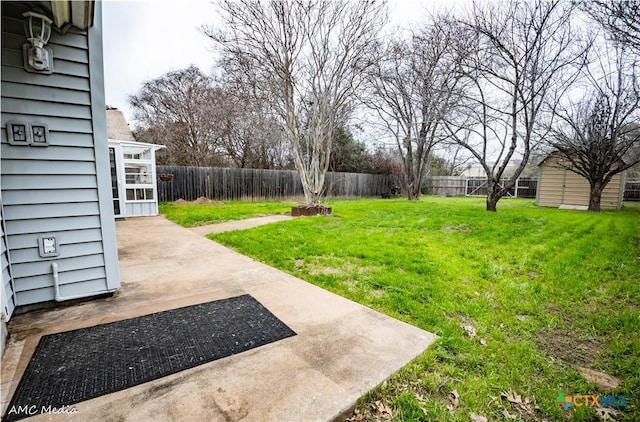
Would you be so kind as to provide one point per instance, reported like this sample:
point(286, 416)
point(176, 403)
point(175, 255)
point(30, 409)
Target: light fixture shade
point(37, 27)
point(37, 57)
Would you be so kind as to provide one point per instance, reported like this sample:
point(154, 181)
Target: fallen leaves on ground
point(606, 413)
point(356, 417)
point(478, 418)
point(382, 410)
point(469, 329)
point(519, 404)
point(454, 400)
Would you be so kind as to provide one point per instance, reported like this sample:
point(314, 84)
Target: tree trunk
point(413, 193)
point(493, 196)
point(595, 194)
point(492, 203)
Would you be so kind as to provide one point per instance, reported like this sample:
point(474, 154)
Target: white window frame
point(150, 164)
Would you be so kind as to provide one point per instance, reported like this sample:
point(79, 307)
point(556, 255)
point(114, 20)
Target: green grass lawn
point(546, 290)
point(191, 215)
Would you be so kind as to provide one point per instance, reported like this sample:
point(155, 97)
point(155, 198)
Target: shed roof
point(117, 126)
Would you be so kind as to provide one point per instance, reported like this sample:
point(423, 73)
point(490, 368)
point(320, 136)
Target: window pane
point(136, 153)
point(140, 194)
point(130, 195)
point(149, 193)
point(138, 174)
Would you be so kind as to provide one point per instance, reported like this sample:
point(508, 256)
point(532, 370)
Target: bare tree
point(177, 110)
point(620, 18)
point(599, 136)
point(524, 55)
point(309, 55)
point(413, 86)
point(250, 134)
point(453, 158)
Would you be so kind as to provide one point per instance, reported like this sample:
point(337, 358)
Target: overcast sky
point(144, 39)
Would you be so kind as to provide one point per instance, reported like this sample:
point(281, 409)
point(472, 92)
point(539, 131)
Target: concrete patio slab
point(341, 350)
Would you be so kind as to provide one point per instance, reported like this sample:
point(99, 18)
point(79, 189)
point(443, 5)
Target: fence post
point(515, 194)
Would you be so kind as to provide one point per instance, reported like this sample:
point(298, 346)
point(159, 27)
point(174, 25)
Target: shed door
point(118, 210)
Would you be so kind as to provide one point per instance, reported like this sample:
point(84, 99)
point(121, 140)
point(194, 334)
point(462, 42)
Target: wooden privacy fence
point(190, 183)
point(226, 184)
point(460, 186)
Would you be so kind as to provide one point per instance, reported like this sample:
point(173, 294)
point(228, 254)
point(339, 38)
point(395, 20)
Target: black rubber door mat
point(74, 366)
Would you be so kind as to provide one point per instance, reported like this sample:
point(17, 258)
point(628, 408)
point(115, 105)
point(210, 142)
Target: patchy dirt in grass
point(576, 352)
point(376, 292)
point(200, 201)
point(581, 354)
point(319, 269)
point(203, 201)
point(458, 229)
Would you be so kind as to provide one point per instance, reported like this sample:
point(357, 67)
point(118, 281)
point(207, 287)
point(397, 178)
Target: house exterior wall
point(6, 290)
point(6, 296)
point(558, 186)
point(62, 189)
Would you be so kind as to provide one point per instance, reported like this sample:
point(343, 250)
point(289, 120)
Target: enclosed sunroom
point(133, 178)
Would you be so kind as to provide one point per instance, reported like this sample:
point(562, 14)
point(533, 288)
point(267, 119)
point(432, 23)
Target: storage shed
point(561, 187)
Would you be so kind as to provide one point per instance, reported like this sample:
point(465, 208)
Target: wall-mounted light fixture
point(37, 57)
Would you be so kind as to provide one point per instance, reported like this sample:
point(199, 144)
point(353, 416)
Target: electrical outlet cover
point(48, 246)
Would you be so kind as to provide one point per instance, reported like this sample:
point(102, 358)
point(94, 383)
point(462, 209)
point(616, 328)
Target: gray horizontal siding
point(21, 256)
point(53, 167)
point(44, 267)
point(14, 58)
point(67, 277)
point(50, 153)
point(45, 108)
point(39, 211)
point(86, 287)
point(13, 74)
point(4, 269)
point(62, 196)
point(50, 225)
point(14, 26)
point(61, 96)
point(11, 181)
point(73, 53)
point(58, 124)
point(69, 237)
point(51, 190)
point(56, 139)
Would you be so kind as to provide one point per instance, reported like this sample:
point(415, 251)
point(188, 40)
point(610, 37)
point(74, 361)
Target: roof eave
point(77, 13)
